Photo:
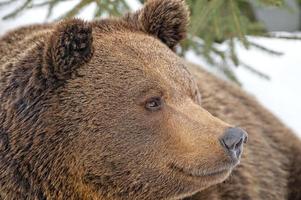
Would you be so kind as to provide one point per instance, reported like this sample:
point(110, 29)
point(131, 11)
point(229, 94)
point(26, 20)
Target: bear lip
point(202, 173)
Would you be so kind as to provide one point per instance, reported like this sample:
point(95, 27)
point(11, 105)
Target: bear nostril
point(233, 140)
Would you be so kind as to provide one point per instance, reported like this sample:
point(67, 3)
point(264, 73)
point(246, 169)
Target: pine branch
point(212, 22)
point(207, 9)
point(265, 49)
point(18, 10)
point(254, 71)
point(8, 2)
point(238, 25)
point(289, 37)
point(230, 74)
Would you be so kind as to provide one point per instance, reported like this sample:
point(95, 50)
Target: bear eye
point(153, 104)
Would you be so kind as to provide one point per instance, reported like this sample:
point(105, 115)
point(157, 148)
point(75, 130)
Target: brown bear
point(106, 110)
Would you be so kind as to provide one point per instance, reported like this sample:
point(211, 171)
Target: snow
point(281, 95)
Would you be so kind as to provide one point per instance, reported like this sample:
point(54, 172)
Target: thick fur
point(73, 124)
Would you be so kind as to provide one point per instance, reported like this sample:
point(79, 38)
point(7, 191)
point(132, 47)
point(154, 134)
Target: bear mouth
point(223, 171)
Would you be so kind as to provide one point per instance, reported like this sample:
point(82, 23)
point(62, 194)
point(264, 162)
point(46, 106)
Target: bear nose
point(233, 140)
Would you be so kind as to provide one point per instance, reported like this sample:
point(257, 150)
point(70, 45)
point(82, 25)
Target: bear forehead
point(139, 55)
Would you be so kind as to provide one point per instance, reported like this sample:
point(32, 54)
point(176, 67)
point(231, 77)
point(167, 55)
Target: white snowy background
point(281, 94)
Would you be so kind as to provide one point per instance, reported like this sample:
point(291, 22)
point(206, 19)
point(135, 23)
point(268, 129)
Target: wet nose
point(233, 140)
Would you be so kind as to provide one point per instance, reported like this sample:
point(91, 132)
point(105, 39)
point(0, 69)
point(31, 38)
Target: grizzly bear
point(106, 110)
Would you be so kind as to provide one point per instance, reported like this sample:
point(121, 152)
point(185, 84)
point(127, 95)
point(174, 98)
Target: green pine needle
point(212, 22)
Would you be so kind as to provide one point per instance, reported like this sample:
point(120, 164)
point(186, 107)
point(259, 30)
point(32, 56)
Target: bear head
point(106, 109)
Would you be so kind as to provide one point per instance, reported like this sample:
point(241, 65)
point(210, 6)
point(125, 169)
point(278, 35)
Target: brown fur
point(73, 123)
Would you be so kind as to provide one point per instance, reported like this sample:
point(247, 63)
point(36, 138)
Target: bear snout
point(232, 141)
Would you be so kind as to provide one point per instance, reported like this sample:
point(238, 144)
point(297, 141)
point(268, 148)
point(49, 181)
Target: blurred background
point(253, 43)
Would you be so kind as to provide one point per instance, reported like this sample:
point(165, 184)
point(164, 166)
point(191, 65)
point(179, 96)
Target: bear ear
point(166, 19)
point(67, 48)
